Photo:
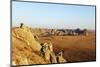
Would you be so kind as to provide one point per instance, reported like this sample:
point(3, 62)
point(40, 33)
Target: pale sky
point(44, 15)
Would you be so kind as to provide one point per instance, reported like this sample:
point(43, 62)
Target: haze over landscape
point(44, 15)
point(44, 33)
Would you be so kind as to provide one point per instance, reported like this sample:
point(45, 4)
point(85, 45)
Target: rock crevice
point(27, 50)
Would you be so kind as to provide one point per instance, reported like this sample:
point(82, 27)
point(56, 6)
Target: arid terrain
point(52, 33)
point(26, 47)
point(76, 48)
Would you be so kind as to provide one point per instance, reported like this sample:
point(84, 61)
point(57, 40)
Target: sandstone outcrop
point(27, 50)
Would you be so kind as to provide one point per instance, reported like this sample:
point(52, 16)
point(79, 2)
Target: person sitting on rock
point(21, 25)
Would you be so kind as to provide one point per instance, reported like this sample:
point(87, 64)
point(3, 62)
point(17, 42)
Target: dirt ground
point(76, 48)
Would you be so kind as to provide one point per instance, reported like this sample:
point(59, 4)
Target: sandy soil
point(76, 48)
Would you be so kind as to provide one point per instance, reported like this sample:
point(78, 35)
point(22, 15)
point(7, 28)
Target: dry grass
point(76, 48)
point(23, 53)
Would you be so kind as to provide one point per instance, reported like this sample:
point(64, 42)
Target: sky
point(44, 15)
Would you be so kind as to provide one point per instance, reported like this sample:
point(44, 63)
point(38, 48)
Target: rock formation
point(27, 50)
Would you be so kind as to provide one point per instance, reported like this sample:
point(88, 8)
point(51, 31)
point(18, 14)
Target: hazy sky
point(53, 15)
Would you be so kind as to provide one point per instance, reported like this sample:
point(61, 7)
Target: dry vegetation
point(21, 50)
point(76, 48)
point(26, 49)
